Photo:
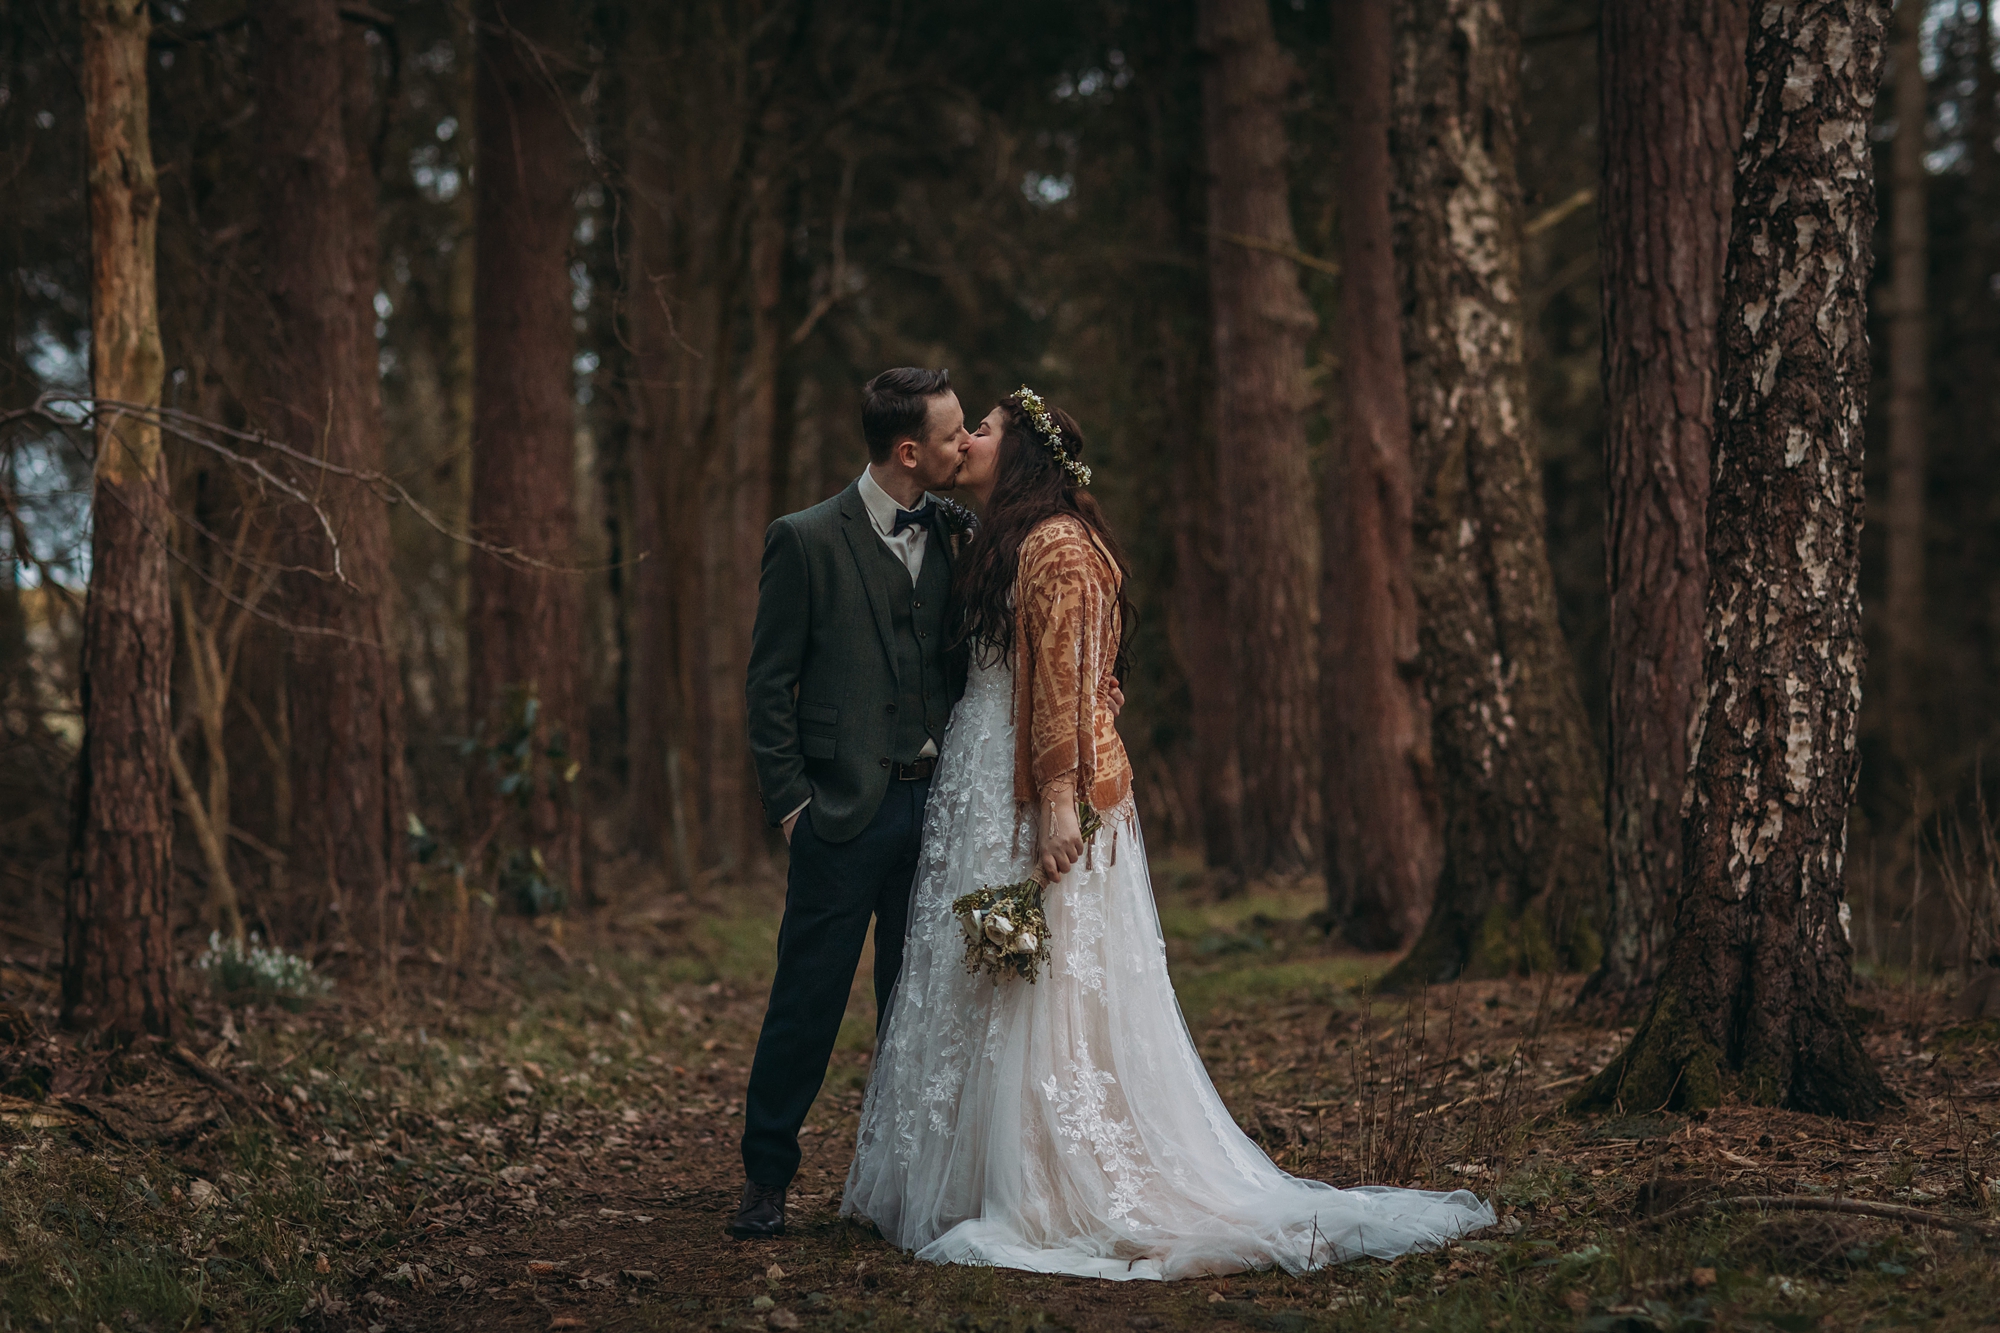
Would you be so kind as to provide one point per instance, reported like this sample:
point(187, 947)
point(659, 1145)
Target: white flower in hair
point(1047, 427)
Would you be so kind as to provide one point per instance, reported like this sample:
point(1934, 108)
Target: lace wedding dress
point(1069, 1126)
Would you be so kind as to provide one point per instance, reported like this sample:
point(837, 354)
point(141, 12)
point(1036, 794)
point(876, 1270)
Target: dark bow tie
point(919, 517)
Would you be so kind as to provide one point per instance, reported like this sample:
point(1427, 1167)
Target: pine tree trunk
point(1261, 322)
point(1980, 181)
point(321, 396)
point(117, 960)
point(1198, 601)
point(740, 822)
point(1200, 622)
point(1523, 873)
point(646, 707)
point(692, 163)
point(1671, 98)
point(1382, 834)
point(718, 700)
point(661, 821)
point(1909, 317)
point(524, 621)
point(1755, 982)
point(1979, 326)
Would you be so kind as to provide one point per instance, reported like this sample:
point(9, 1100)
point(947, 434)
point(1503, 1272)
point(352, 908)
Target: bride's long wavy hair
point(1029, 486)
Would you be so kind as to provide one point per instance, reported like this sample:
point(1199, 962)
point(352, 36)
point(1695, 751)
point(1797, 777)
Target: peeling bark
point(1522, 877)
point(1382, 839)
point(117, 962)
point(1671, 78)
point(1261, 320)
point(1755, 985)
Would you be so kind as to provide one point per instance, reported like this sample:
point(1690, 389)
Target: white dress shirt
point(908, 545)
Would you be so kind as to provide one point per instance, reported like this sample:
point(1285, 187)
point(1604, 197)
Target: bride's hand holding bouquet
point(1059, 835)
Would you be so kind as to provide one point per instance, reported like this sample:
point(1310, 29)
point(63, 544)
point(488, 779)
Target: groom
point(850, 687)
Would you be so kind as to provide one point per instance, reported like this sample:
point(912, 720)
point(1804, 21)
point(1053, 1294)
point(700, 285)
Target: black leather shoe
point(761, 1215)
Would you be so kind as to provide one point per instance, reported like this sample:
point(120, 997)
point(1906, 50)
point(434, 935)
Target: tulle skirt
point(1068, 1125)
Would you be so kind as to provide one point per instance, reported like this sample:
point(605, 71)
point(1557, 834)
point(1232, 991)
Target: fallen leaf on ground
point(540, 1268)
point(774, 1273)
point(782, 1319)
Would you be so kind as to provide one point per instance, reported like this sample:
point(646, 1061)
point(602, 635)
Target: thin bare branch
point(187, 426)
point(1291, 252)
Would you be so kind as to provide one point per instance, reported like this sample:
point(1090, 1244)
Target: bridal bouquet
point(1006, 930)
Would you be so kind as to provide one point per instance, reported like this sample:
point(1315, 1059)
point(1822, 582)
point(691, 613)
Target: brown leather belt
point(916, 772)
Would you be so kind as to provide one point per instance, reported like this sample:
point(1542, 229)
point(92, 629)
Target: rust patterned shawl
point(1066, 632)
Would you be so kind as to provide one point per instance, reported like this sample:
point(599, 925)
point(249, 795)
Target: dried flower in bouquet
point(1006, 929)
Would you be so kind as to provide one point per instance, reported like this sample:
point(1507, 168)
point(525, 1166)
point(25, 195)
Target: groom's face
point(938, 456)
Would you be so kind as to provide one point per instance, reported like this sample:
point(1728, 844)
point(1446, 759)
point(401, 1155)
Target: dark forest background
point(762, 205)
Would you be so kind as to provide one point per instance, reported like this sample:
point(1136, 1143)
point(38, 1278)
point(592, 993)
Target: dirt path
point(615, 1217)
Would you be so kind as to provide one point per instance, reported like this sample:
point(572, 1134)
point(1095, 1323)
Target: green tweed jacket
point(849, 671)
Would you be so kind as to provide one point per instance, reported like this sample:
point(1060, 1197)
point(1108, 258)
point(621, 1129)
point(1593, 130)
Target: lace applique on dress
point(1113, 1141)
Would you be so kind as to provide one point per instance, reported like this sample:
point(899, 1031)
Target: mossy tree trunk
point(1672, 109)
point(1523, 868)
point(1755, 984)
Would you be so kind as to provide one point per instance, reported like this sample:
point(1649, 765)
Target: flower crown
point(1045, 425)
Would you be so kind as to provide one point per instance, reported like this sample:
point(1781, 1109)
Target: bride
point(1067, 1125)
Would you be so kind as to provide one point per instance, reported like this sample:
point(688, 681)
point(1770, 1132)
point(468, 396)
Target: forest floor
point(555, 1148)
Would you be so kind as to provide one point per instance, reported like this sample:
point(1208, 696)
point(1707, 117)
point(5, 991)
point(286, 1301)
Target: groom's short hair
point(896, 405)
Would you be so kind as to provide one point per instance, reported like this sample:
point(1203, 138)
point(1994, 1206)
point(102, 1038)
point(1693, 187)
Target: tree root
point(1806, 1203)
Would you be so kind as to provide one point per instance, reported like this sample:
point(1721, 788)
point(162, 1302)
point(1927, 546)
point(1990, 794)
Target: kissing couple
point(931, 709)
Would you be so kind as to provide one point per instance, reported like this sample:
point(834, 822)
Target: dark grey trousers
point(832, 891)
